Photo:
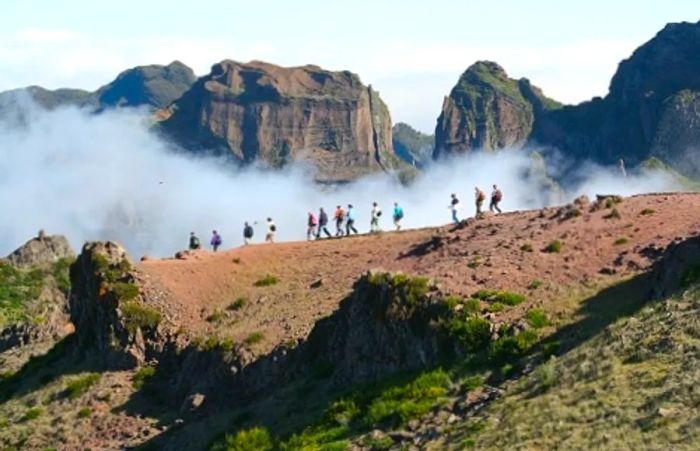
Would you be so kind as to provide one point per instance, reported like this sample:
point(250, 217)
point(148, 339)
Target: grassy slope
point(632, 386)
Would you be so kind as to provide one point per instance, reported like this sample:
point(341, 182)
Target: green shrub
point(496, 307)
point(253, 338)
point(78, 386)
point(125, 291)
point(85, 412)
point(139, 316)
point(342, 412)
point(61, 273)
point(472, 306)
point(535, 284)
point(381, 443)
point(143, 375)
point(536, 318)
point(475, 263)
point(504, 297)
point(397, 405)
point(215, 317)
point(614, 214)
point(17, 288)
point(32, 414)
point(547, 374)
point(238, 304)
point(508, 369)
point(253, 439)
point(554, 246)
point(473, 332)
point(621, 241)
point(472, 383)
point(266, 281)
point(527, 247)
point(510, 346)
point(550, 348)
point(647, 212)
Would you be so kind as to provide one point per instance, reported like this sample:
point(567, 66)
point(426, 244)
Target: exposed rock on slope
point(41, 251)
point(412, 146)
point(488, 110)
point(262, 112)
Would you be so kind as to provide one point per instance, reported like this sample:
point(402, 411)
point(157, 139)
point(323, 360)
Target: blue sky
point(411, 51)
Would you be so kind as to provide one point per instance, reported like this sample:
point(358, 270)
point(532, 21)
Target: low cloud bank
point(106, 177)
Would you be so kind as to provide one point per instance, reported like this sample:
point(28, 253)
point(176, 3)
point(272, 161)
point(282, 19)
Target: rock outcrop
point(41, 251)
point(259, 112)
point(488, 110)
point(412, 146)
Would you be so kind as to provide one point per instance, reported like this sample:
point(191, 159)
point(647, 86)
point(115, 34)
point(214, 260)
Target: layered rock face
point(412, 146)
point(487, 110)
point(266, 113)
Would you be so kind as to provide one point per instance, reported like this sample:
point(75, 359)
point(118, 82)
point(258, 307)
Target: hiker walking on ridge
point(311, 226)
point(247, 234)
point(496, 196)
point(215, 240)
point(339, 218)
point(479, 197)
point(194, 242)
point(454, 207)
point(322, 223)
point(374, 221)
point(271, 230)
point(398, 216)
point(350, 223)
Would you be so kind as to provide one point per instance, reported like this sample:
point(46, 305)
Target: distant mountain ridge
point(651, 110)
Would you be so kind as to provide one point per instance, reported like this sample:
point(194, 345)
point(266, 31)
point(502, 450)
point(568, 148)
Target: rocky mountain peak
point(42, 250)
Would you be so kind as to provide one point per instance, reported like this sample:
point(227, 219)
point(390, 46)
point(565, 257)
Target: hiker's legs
point(492, 205)
point(498, 209)
point(454, 216)
point(325, 230)
point(318, 232)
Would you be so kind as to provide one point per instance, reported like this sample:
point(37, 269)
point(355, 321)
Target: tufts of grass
point(253, 439)
point(527, 247)
point(80, 385)
point(511, 346)
point(139, 316)
point(472, 306)
point(496, 307)
point(61, 273)
point(85, 412)
point(266, 281)
point(32, 414)
point(535, 284)
point(142, 376)
point(536, 318)
point(621, 241)
point(504, 297)
point(475, 263)
point(547, 374)
point(238, 304)
point(254, 338)
point(125, 291)
point(647, 212)
point(216, 317)
point(614, 214)
point(18, 287)
point(554, 246)
point(550, 348)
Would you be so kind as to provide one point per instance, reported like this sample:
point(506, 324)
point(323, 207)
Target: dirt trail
point(314, 277)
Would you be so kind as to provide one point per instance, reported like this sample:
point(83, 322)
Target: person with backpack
point(194, 242)
point(454, 207)
point(376, 213)
point(496, 196)
point(479, 197)
point(215, 240)
point(398, 216)
point(271, 230)
point(350, 223)
point(339, 218)
point(247, 234)
point(322, 223)
point(311, 224)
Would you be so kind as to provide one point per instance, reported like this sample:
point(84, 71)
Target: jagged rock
point(41, 251)
point(270, 114)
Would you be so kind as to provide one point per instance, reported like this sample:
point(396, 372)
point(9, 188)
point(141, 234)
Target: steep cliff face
point(412, 146)
point(487, 110)
point(266, 113)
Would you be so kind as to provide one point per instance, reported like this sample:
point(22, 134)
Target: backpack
point(217, 240)
point(399, 213)
point(194, 243)
point(323, 218)
point(248, 232)
point(481, 196)
point(273, 228)
point(497, 196)
point(339, 214)
point(312, 221)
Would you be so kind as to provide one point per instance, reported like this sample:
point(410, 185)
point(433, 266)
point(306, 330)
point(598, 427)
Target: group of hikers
point(345, 220)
